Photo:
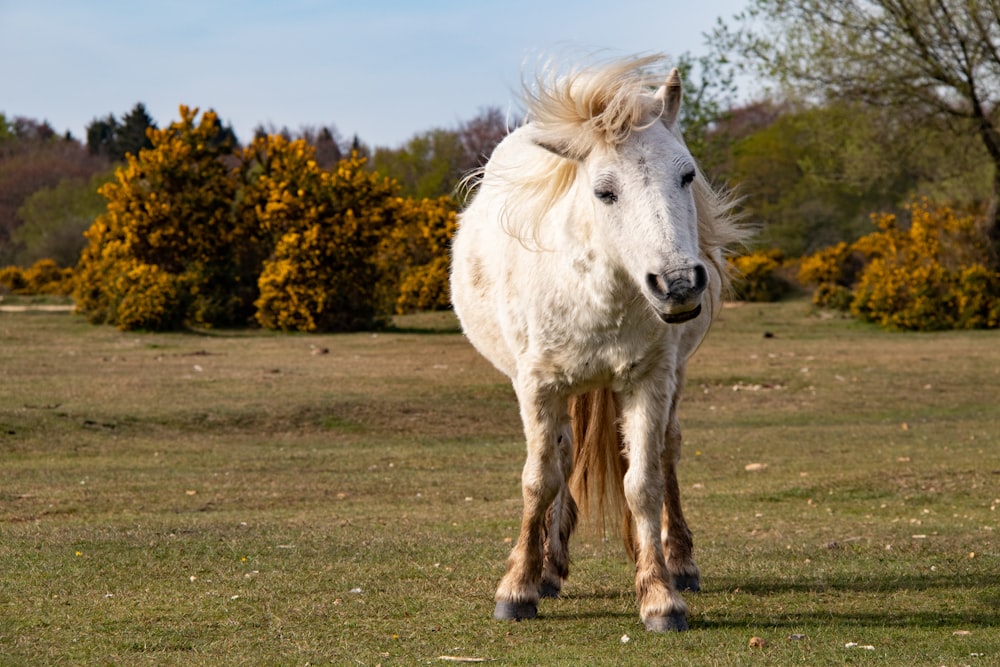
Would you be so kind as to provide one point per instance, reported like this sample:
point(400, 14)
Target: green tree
point(6, 130)
point(102, 137)
point(33, 157)
point(55, 218)
point(131, 136)
point(709, 91)
point(428, 165)
point(810, 176)
point(431, 164)
point(938, 60)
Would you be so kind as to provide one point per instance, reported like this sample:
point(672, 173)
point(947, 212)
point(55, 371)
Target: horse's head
point(638, 180)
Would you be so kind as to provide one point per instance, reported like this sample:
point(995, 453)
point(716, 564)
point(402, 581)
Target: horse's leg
point(560, 520)
point(676, 534)
point(545, 419)
point(660, 606)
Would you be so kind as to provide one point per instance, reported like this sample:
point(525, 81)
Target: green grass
point(250, 498)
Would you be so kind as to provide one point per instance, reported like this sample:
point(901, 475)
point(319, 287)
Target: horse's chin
point(680, 318)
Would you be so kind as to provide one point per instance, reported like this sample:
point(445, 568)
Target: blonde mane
point(594, 104)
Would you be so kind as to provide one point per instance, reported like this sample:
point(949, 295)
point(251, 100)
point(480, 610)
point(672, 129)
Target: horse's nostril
point(678, 284)
point(700, 278)
point(658, 285)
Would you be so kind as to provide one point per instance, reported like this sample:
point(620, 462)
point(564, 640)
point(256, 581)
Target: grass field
point(246, 498)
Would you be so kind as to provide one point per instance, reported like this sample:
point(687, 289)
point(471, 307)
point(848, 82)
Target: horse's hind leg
point(677, 541)
point(544, 475)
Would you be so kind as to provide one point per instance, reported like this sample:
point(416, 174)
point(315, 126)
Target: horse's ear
point(670, 95)
point(561, 150)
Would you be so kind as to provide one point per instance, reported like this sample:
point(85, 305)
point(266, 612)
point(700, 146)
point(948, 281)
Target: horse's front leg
point(560, 521)
point(545, 421)
point(643, 415)
point(676, 534)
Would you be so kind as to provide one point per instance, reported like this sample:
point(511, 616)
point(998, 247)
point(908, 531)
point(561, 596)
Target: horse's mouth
point(678, 318)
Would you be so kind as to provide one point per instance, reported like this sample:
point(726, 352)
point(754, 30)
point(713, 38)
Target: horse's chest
point(585, 357)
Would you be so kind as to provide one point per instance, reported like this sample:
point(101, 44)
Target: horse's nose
point(679, 285)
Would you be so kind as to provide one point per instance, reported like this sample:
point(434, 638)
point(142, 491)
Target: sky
point(382, 70)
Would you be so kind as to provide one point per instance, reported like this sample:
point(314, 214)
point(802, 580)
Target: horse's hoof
point(515, 611)
point(687, 582)
point(676, 622)
point(548, 590)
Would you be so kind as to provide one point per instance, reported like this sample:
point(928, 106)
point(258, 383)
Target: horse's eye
point(606, 196)
point(687, 178)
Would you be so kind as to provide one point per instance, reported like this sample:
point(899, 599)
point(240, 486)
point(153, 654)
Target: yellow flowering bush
point(12, 278)
point(148, 297)
point(413, 256)
point(834, 271)
point(44, 277)
point(322, 275)
point(930, 275)
point(756, 276)
point(168, 239)
point(195, 233)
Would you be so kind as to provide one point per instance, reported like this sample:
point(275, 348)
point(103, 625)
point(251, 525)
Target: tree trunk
point(990, 135)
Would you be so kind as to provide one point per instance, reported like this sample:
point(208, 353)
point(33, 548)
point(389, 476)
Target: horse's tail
point(599, 461)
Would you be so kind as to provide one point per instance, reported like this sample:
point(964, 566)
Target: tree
point(433, 163)
point(810, 175)
point(101, 139)
point(32, 157)
point(114, 140)
point(428, 165)
point(708, 97)
point(480, 135)
point(6, 130)
point(132, 136)
point(55, 218)
point(939, 59)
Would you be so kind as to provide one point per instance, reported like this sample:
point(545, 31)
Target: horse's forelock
point(601, 104)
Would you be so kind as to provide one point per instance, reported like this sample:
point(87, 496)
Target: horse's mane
point(603, 103)
point(587, 106)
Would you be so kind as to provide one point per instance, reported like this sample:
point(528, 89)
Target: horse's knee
point(643, 493)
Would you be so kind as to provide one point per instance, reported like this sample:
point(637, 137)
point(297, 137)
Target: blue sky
point(382, 70)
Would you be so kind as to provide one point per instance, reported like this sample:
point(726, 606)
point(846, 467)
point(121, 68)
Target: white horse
point(588, 268)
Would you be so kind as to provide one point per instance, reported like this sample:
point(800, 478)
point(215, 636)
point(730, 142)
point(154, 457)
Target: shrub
point(413, 256)
point(197, 234)
point(757, 278)
point(169, 227)
point(834, 271)
point(323, 275)
point(44, 277)
point(12, 278)
point(930, 276)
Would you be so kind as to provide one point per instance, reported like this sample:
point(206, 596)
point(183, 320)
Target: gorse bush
point(196, 233)
point(162, 253)
point(43, 277)
point(322, 274)
point(932, 274)
point(413, 256)
point(756, 276)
